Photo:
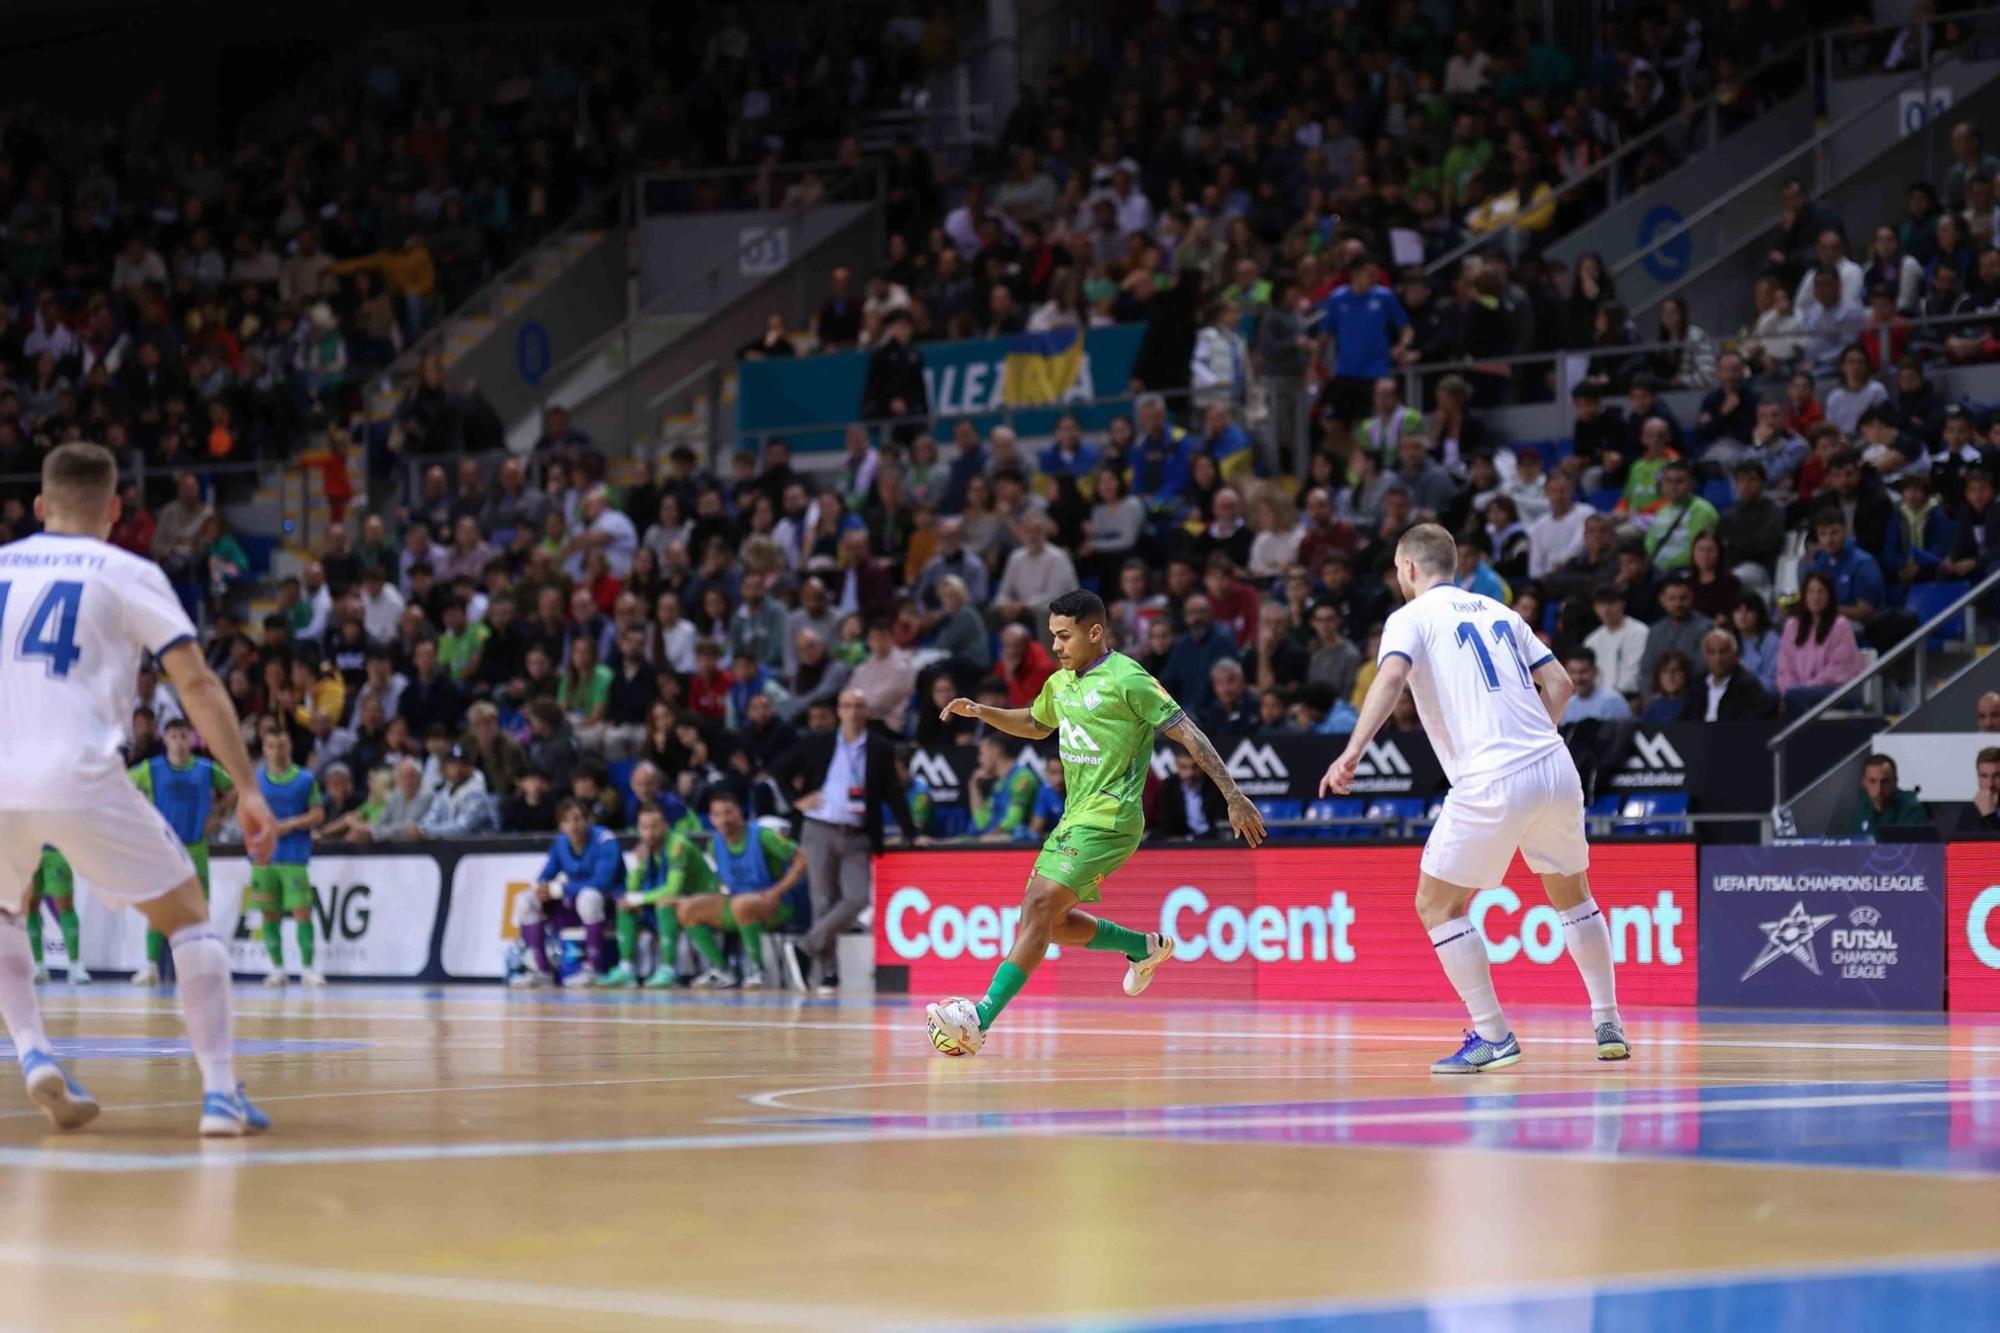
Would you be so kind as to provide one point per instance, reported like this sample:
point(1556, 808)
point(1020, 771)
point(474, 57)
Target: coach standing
point(895, 383)
point(839, 783)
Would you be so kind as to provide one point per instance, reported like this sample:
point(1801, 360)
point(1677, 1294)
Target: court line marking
point(1142, 1124)
point(484, 1291)
point(499, 1013)
point(1559, 1289)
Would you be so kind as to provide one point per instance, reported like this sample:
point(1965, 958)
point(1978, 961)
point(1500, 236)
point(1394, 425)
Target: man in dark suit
point(1187, 805)
point(840, 782)
point(895, 383)
point(1727, 693)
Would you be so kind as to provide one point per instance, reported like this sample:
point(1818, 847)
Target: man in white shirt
point(1135, 211)
point(1489, 695)
point(1035, 574)
point(1618, 644)
point(1591, 700)
point(1831, 252)
point(381, 605)
point(886, 678)
point(604, 528)
point(1558, 535)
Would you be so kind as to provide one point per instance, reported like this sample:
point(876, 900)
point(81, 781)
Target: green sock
point(274, 943)
point(156, 947)
point(72, 934)
point(305, 933)
point(1111, 936)
point(628, 940)
point(1006, 984)
point(753, 946)
point(705, 944)
point(670, 941)
point(33, 921)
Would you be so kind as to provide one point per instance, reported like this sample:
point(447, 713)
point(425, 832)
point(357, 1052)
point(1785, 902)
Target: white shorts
point(1538, 809)
point(119, 844)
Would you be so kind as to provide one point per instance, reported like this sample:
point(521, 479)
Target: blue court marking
point(1950, 1294)
point(174, 1048)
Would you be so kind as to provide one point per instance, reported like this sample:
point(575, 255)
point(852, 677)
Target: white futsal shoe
point(714, 979)
point(1140, 974)
point(79, 975)
point(147, 975)
point(584, 978)
point(531, 978)
point(41, 977)
point(311, 979)
point(953, 1026)
point(274, 979)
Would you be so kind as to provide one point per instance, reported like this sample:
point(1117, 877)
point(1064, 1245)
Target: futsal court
point(472, 1158)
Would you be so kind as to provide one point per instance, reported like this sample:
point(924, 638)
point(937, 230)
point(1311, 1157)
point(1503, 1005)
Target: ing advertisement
point(1972, 927)
point(1287, 923)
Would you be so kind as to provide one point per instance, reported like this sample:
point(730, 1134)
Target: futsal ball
point(947, 1021)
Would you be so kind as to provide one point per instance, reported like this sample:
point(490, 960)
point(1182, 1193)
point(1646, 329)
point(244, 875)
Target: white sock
point(1461, 949)
point(17, 988)
point(202, 965)
point(1588, 938)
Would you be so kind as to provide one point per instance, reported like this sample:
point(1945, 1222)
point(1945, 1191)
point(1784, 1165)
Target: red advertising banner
point(1290, 924)
point(1972, 927)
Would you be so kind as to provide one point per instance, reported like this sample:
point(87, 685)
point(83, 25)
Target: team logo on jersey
point(1654, 762)
point(935, 771)
point(1092, 699)
point(1075, 743)
point(1792, 934)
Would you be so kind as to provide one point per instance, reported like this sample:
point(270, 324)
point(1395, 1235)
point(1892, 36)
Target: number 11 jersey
point(76, 617)
point(1470, 663)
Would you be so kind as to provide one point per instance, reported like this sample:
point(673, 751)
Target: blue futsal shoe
point(227, 1115)
point(65, 1101)
point(1480, 1056)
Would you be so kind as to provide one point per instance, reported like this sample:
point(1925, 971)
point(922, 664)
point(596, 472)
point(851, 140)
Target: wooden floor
point(477, 1159)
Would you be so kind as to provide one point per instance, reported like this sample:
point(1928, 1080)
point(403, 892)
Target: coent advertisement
point(1972, 925)
point(1289, 924)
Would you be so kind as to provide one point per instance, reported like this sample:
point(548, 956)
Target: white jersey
point(76, 617)
point(1470, 663)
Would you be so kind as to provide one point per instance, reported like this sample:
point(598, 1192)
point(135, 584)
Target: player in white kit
point(77, 616)
point(1489, 695)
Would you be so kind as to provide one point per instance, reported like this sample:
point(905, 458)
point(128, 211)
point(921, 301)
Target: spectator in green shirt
point(1642, 479)
point(584, 691)
point(462, 641)
point(1882, 804)
point(1468, 156)
point(1002, 792)
point(1681, 517)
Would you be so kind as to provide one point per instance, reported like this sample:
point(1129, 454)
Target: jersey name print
point(76, 617)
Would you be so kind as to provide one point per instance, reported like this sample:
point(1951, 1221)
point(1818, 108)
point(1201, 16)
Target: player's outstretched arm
point(1556, 688)
point(1014, 721)
point(1243, 816)
point(210, 708)
point(1383, 692)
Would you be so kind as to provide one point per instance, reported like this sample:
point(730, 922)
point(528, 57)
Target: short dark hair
point(1752, 467)
point(720, 792)
point(1989, 755)
point(1582, 654)
point(1876, 760)
point(1081, 605)
point(1677, 465)
point(172, 722)
point(567, 804)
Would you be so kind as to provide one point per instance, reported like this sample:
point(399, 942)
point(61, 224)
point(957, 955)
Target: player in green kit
point(56, 883)
point(1104, 707)
point(282, 888)
point(188, 790)
point(669, 866)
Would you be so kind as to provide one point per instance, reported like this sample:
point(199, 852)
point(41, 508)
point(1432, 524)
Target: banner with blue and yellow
point(1027, 376)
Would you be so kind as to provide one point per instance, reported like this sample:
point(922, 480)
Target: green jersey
point(1105, 719)
point(678, 868)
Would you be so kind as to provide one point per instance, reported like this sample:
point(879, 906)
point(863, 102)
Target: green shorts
point(778, 921)
point(54, 878)
point(279, 888)
point(198, 853)
point(1078, 857)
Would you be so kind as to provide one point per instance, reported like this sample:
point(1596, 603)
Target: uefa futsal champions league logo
point(1790, 935)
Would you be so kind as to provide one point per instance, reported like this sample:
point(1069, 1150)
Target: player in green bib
point(755, 868)
point(190, 792)
point(1104, 708)
point(668, 866)
point(55, 883)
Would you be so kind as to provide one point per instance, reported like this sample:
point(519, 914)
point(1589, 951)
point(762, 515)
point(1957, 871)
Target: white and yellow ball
point(953, 1027)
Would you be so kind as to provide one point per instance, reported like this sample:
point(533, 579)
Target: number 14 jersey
point(1470, 663)
point(76, 617)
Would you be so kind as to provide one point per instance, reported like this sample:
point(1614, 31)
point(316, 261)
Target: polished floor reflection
point(469, 1158)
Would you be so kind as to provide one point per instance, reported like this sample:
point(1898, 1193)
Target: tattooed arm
point(1243, 816)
